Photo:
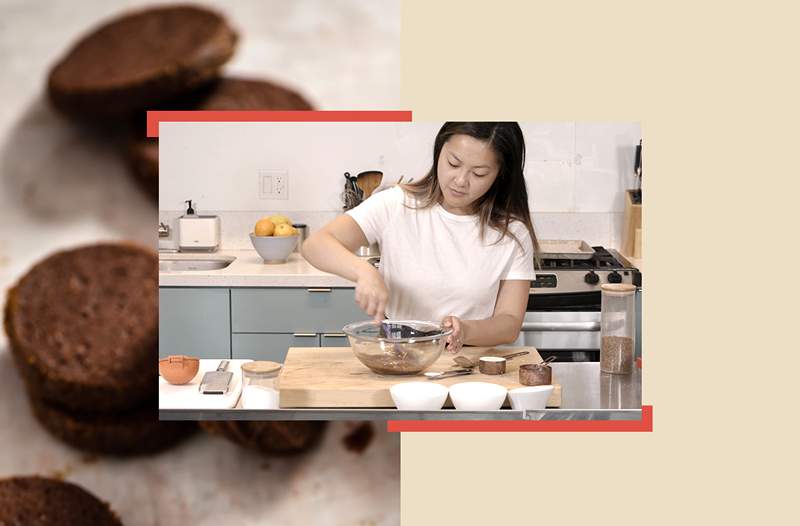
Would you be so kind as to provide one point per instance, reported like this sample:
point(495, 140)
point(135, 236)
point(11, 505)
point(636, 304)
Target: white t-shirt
point(434, 263)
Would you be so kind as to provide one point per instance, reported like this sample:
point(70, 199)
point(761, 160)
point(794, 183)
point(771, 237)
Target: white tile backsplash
point(594, 228)
point(598, 190)
point(617, 222)
point(608, 148)
point(551, 186)
point(576, 172)
point(549, 141)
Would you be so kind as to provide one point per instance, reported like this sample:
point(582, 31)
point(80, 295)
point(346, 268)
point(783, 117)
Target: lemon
point(284, 229)
point(280, 220)
point(264, 227)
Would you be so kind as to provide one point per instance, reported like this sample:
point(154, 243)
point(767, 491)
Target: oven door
point(570, 336)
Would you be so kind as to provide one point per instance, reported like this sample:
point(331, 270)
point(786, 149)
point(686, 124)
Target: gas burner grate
point(602, 259)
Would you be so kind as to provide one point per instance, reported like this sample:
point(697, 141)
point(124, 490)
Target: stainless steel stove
point(564, 276)
point(563, 313)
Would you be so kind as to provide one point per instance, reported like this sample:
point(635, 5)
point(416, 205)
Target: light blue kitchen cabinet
point(194, 321)
point(255, 323)
point(270, 347)
point(334, 340)
point(292, 310)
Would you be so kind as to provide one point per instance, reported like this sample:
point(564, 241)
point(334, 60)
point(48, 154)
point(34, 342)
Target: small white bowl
point(477, 396)
point(533, 397)
point(418, 396)
point(274, 249)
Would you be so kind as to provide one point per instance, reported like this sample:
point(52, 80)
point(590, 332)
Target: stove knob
point(615, 277)
point(591, 278)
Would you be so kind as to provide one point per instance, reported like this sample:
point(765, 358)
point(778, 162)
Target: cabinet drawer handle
point(334, 335)
point(574, 326)
point(319, 290)
point(305, 334)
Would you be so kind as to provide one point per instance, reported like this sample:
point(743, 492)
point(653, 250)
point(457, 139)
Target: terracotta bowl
point(178, 369)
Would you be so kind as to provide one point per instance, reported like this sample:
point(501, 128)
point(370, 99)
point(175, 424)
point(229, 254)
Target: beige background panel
point(716, 90)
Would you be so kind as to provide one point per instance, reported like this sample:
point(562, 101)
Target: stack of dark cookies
point(83, 323)
point(39, 501)
point(164, 58)
point(83, 329)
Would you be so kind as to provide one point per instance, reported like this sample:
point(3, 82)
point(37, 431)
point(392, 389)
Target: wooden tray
point(564, 249)
point(333, 377)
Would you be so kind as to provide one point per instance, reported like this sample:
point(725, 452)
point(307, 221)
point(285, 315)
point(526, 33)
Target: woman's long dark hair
point(507, 198)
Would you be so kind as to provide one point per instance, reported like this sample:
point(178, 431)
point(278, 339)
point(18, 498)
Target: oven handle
point(570, 326)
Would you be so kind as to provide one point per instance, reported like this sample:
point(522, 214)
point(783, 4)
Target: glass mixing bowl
point(397, 346)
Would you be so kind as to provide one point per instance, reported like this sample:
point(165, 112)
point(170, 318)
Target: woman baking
point(456, 246)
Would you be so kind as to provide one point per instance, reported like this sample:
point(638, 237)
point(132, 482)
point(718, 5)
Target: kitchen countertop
point(249, 270)
point(585, 394)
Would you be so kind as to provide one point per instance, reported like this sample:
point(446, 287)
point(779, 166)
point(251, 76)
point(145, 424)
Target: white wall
point(576, 172)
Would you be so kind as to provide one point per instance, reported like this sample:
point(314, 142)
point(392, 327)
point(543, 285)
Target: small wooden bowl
point(178, 369)
point(535, 374)
point(492, 365)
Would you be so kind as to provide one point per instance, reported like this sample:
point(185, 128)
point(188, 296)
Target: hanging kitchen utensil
point(369, 181)
point(352, 194)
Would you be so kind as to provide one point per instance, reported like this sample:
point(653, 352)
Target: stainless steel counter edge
point(393, 414)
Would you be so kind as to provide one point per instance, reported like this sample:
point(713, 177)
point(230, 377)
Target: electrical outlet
point(273, 184)
point(280, 186)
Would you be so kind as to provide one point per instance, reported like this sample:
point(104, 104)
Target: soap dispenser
point(198, 232)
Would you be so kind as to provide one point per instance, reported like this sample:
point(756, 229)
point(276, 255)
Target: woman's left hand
point(454, 342)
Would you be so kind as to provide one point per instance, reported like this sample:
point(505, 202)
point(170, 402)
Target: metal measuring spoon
point(448, 374)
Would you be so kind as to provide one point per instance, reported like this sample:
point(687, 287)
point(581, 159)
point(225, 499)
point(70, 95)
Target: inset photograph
point(400, 270)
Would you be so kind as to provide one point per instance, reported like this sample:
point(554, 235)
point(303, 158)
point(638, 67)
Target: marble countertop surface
point(63, 185)
point(249, 270)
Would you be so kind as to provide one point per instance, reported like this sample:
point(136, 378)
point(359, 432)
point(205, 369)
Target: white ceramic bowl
point(273, 249)
point(533, 397)
point(477, 396)
point(418, 396)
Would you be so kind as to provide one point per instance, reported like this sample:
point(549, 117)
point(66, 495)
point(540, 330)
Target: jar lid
point(261, 367)
point(618, 288)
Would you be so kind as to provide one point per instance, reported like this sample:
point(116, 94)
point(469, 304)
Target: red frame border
point(558, 426)
point(154, 118)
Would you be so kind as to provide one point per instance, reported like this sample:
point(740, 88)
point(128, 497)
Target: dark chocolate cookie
point(269, 437)
point(224, 94)
point(137, 432)
point(38, 501)
point(140, 59)
point(83, 327)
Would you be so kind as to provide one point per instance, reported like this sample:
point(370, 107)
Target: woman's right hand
point(371, 292)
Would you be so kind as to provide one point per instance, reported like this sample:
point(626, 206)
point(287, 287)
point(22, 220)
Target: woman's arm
point(506, 321)
point(332, 250)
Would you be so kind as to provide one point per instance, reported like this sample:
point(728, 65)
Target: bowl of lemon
point(274, 238)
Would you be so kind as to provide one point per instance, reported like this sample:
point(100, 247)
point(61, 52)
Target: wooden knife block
point(632, 228)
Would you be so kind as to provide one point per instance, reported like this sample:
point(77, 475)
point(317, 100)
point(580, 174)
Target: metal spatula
point(398, 330)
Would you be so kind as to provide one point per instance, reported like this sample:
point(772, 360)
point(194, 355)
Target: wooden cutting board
point(333, 377)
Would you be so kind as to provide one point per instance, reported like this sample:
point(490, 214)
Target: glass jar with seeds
point(617, 328)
